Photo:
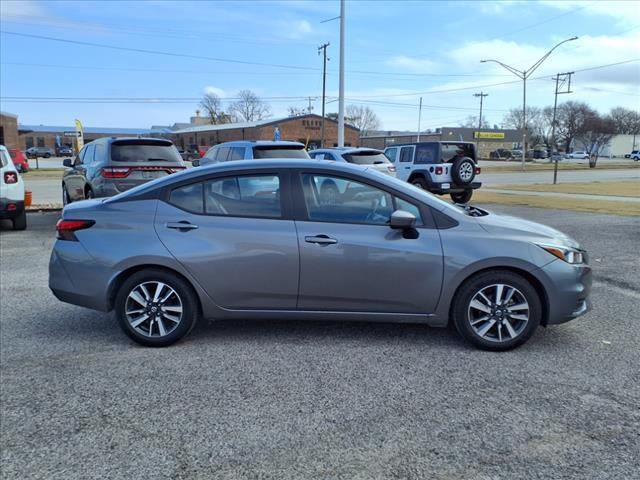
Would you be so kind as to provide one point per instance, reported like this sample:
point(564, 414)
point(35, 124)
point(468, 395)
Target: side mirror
point(67, 162)
point(401, 220)
point(195, 162)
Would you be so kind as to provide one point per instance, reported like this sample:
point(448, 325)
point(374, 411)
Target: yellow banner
point(80, 135)
point(488, 134)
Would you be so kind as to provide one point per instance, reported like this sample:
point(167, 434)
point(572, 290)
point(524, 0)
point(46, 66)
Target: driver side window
point(340, 200)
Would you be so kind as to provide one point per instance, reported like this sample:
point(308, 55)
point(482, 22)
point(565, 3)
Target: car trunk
point(372, 159)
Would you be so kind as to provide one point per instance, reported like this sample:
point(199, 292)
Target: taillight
point(10, 177)
point(478, 170)
point(115, 172)
point(66, 228)
point(439, 170)
point(391, 168)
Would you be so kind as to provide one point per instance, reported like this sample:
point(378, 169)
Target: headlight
point(568, 254)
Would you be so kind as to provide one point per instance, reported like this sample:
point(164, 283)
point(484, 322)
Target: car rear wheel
point(420, 183)
point(461, 197)
point(497, 310)
point(47, 155)
point(20, 222)
point(65, 195)
point(463, 170)
point(156, 308)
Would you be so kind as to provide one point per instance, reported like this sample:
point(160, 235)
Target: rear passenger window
point(244, 196)
point(427, 154)
point(391, 154)
point(223, 153)
point(188, 197)
point(406, 154)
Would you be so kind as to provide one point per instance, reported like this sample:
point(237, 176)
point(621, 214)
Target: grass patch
point(618, 189)
point(43, 173)
point(577, 205)
point(545, 167)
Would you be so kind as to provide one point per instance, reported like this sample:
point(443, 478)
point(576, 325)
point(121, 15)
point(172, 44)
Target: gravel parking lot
point(320, 400)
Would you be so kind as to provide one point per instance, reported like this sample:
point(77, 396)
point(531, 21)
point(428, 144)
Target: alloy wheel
point(498, 313)
point(466, 171)
point(153, 309)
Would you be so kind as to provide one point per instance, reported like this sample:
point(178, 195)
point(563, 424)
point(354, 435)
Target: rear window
point(4, 158)
point(451, 150)
point(133, 151)
point(365, 158)
point(280, 152)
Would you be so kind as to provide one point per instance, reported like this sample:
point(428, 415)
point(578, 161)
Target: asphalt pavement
point(282, 400)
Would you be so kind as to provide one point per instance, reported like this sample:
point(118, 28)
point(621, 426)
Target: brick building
point(50, 135)
point(487, 140)
point(305, 129)
point(9, 130)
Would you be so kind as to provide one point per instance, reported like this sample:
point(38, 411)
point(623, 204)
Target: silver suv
point(368, 157)
point(249, 150)
point(439, 167)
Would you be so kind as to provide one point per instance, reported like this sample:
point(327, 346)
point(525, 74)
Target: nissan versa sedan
point(259, 240)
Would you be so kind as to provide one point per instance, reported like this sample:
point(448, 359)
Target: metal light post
point(524, 74)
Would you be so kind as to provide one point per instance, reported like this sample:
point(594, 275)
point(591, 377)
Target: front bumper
point(568, 289)
point(10, 209)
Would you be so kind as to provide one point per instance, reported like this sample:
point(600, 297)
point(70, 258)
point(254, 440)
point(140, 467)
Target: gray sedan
point(260, 240)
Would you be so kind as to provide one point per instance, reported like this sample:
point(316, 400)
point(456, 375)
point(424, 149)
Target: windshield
point(144, 151)
point(280, 152)
point(4, 158)
point(366, 158)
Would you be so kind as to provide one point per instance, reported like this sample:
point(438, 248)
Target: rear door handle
point(183, 226)
point(321, 240)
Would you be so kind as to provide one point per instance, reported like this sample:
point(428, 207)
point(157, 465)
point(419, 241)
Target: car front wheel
point(497, 310)
point(156, 308)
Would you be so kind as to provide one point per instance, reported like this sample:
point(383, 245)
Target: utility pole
point(523, 75)
point(309, 107)
point(341, 87)
point(481, 95)
point(419, 118)
point(561, 79)
point(323, 47)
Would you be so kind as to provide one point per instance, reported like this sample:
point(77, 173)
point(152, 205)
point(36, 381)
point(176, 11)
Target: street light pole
point(524, 74)
point(341, 87)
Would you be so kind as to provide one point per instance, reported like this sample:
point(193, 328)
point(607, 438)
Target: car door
point(405, 162)
point(350, 260)
point(74, 179)
point(236, 236)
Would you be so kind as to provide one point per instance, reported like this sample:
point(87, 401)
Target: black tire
point(65, 195)
point(420, 183)
point(186, 297)
point(20, 222)
point(463, 170)
point(461, 197)
point(462, 311)
point(47, 155)
point(88, 194)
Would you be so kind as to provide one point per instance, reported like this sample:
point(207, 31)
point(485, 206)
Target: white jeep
point(439, 167)
point(11, 192)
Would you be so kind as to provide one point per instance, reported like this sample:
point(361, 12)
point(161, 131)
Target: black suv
point(439, 167)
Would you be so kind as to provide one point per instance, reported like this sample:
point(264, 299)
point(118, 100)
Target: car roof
point(345, 150)
point(118, 139)
point(427, 143)
point(249, 143)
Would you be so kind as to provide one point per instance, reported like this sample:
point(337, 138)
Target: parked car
point(634, 155)
point(368, 157)
point(500, 154)
point(249, 150)
point(108, 166)
point(438, 167)
point(11, 192)
point(240, 240)
point(19, 160)
point(539, 153)
point(35, 152)
point(578, 154)
point(62, 151)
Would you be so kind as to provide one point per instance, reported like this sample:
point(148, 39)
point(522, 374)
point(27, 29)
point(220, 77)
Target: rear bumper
point(443, 188)
point(10, 209)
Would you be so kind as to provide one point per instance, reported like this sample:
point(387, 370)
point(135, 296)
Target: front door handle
point(183, 226)
point(321, 240)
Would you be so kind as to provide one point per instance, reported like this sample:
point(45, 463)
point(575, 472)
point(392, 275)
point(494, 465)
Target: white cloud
point(22, 8)
point(412, 64)
point(625, 11)
point(209, 89)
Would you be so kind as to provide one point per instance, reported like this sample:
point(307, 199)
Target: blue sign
point(276, 134)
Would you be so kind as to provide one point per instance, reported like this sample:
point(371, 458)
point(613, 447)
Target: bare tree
point(362, 117)
point(594, 134)
point(472, 122)
point(625, 120)
point(570, 119)
point(212, 105)
point(296, 111)
point(249, 107)
point(537, 124)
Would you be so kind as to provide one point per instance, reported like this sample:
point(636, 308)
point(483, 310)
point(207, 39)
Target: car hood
point(505, 225)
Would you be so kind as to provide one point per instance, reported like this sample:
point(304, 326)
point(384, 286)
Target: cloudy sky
point(396, 52)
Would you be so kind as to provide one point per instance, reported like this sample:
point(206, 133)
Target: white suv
point(11, 192)
point(439, 167)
